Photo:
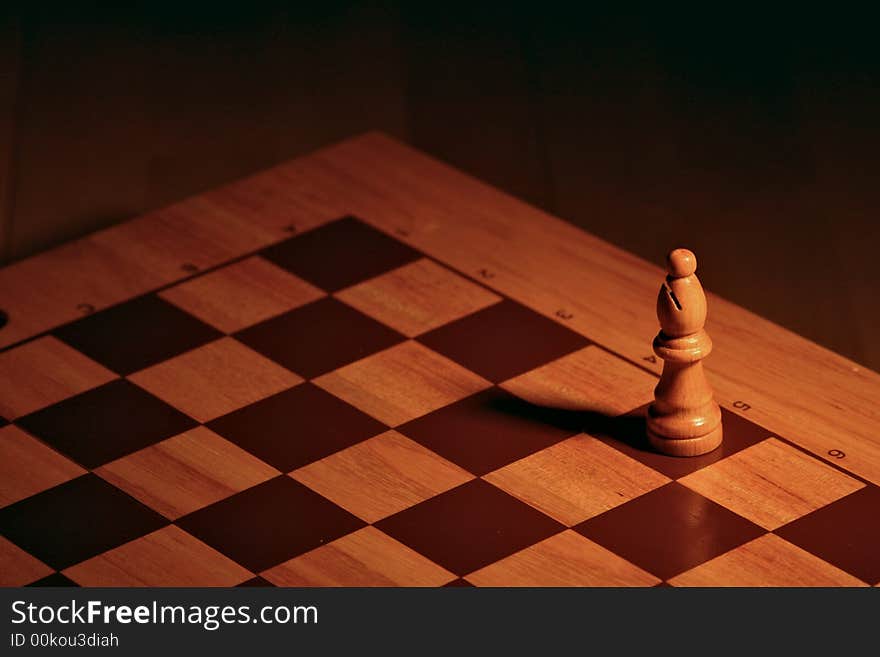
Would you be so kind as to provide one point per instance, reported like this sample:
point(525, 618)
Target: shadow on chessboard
point(627, 432)
point(629, 429)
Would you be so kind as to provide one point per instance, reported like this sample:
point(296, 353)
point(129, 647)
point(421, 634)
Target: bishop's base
point(686, 446)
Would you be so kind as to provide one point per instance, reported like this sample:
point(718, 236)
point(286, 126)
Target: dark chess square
point(469, 527)
point(340, 254)
point(503, 340)
point(295, 427)
point(77, 520)
point(669, 530)
point(270, 523)
point(319, 337)
point(846, 533)
point(490, 429)
point(136, 334)
point(106, 423)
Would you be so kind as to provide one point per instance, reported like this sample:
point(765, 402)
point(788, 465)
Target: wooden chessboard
point(365, 368)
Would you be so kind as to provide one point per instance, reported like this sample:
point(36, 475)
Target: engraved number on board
point(485, 273)
point(85, 308)
point(289, 228)
point(742, 405)
point(836, 453)
point(562, 313)
point(189, 267)
point(650, 359)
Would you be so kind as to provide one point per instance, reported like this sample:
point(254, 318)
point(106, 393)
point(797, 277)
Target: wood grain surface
point(811, 396)
point(417, 297)
point(382, 475)
point(27, 466)
point(589, 379)
point(771, 483)
point(20, 567)
point(241, 294)
point(45, 371)
point(766, 561)
point(576, 479)
point(402, 383)
point(186, 472)
point(215, 379)
point(566, 559)
point(366, 557)
point(167, 557)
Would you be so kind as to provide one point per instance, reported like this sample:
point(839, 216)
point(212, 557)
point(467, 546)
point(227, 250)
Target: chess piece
point(684, 419)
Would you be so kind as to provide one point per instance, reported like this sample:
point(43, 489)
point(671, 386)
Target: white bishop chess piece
point(684, 419)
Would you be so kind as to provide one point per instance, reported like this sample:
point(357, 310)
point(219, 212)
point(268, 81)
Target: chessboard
point(364, 368)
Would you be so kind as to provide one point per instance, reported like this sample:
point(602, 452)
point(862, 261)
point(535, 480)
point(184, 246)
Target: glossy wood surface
point(813, 397)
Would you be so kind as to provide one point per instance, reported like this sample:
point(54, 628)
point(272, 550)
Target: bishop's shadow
point(629, 428)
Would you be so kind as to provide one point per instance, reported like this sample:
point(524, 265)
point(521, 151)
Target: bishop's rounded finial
point(681, 263)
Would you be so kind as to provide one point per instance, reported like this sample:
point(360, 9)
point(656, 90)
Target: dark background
point(749, 135)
